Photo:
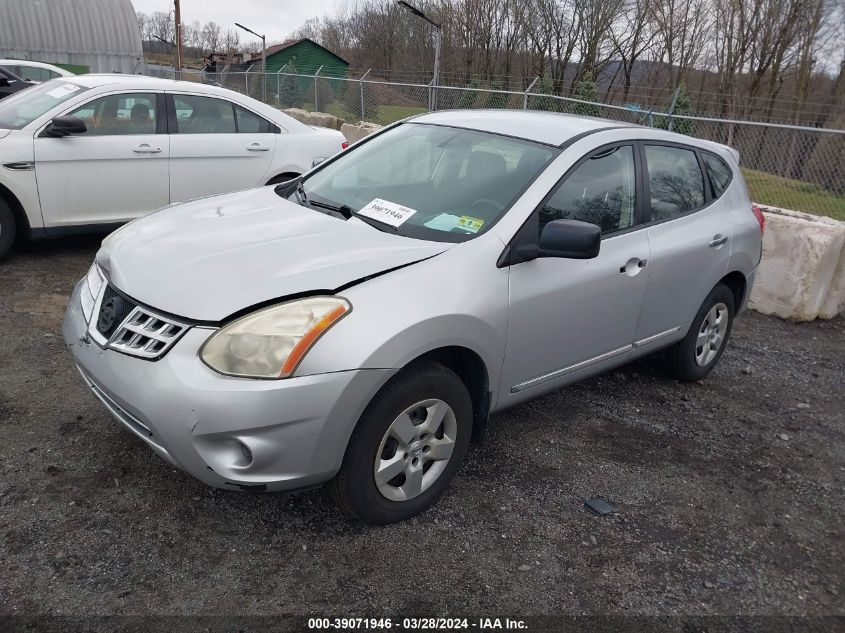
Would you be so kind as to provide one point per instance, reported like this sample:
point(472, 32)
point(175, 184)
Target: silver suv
point(360, 324)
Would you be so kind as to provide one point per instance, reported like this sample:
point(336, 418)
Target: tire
point(427, 389)
point(689, 360)
point(277, 180)
point(8, 228)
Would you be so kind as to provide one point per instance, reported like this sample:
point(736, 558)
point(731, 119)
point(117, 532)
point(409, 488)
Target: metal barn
point(98, 36)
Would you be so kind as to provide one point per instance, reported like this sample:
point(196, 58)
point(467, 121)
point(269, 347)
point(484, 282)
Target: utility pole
point(437, 37)
point(263, 58)
point(177, 16)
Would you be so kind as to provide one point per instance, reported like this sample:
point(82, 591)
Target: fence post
point(672, 107)
point(246, 81)
point(527, 90)
point(316, 98)
point(279, 85)
point(361, 85)
point(431, 95)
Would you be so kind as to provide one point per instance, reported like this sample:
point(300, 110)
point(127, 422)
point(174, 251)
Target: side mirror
point(65, 126)
point(571, 239)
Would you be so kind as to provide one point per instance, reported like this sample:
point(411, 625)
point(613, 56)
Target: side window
point(719, 173)
point(600, 191)
point(203, 115)
point(675, 181)
point(249, 123)
point(115, 115)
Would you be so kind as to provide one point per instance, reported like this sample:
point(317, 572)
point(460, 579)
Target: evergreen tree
point(544, 87)
point(497, 99)
point(683, 106)
point(585, 90)
point(290, 95)
point(469, 97)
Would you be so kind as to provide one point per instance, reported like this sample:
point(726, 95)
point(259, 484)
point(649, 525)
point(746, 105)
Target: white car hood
point(207, 259)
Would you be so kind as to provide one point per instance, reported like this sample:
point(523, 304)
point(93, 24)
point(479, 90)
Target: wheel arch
point(738, 284)
point(472, 371)
point(21, 219)
point(282, 176)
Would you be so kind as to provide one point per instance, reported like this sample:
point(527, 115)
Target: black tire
point(354, 488)
point(680, 359)
point(8, 228)
point(277, 180)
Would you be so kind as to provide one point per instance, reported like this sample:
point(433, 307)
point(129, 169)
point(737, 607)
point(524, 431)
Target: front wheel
point(407, 446)
point(697, 354)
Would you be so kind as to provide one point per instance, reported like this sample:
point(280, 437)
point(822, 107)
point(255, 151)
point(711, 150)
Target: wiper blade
point(342, 209)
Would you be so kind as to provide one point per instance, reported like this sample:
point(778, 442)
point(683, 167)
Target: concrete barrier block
point(800, 276)
point(362, 129)
point(319, 119)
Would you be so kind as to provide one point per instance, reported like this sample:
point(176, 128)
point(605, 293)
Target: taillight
point(344, 145)
point(758, 213)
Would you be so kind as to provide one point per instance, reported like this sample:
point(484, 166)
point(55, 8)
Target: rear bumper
point(228, 432)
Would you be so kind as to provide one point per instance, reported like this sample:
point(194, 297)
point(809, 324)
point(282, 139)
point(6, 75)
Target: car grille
point(134, 329)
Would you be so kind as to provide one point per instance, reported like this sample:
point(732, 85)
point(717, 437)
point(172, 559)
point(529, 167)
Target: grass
point(793, 194)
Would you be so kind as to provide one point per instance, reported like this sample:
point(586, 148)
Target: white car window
point(116, 115)
point(203, 115)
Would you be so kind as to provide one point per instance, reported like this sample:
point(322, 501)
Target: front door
point(114, 172)
point(569, 316)
point(216, 147)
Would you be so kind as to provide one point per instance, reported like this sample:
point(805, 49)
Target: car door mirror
point(65, 126)
point(570, 239)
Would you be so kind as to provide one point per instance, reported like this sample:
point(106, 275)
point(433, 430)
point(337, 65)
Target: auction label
point(418, 624)
point(388, 212)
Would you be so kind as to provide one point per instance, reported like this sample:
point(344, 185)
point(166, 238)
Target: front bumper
point(228, 432)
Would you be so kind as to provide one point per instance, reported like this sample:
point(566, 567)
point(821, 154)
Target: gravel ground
point(729, 492)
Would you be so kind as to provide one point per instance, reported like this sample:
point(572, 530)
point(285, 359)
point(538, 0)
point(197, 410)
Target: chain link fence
point(790, 166)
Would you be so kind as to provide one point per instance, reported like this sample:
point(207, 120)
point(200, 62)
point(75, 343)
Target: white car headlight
point(270, 343)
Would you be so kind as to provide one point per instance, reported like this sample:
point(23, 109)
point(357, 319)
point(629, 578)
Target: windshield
point(22, 108)
point(430, 182)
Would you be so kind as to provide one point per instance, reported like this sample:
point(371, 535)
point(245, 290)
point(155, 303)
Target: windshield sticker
point(469, 223)
point(388, 212)
point(443, 222)
point(63, 90)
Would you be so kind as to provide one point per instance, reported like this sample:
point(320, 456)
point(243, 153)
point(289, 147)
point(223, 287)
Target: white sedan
point(91, 152)
point(34, 71)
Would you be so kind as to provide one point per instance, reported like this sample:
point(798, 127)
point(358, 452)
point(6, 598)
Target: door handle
point(718, 240)
point(255, 147)
point(633, 266)
point(144, 148)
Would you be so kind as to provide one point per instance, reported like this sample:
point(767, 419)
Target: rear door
point(116, 171)
point(690, 239)
point(217, 146)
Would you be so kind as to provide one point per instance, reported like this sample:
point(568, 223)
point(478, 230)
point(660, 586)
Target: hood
point(207, 259)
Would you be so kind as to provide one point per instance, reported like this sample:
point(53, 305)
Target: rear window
point(675, 181)
point(719, 173)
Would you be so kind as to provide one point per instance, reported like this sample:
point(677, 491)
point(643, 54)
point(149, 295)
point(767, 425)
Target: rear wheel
point(406, 447)
point(8, 228)
point(697, 354)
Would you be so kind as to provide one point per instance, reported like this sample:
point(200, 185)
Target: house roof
point(276, 48)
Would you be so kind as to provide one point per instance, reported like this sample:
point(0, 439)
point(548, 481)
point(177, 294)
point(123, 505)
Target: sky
point(274, 18)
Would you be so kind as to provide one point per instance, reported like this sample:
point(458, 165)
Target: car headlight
point(270, 343)
point(94, 282)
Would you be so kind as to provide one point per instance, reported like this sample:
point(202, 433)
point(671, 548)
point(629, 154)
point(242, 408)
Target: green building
point(307, 56)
